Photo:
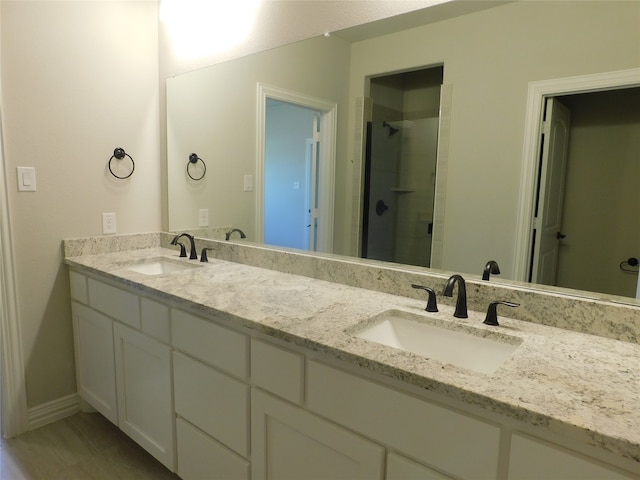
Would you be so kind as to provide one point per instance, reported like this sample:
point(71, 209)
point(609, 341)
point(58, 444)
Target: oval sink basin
point(482, 352)
point(160, 265)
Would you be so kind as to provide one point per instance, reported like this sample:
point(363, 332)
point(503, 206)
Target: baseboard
point(53, 411)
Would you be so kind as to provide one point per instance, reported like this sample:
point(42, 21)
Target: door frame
point(537, 93)
point(327, 159)
point(13, 400)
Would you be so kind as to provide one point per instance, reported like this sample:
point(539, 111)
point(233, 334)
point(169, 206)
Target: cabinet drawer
point(401, 468)
point(218, 346)
point(154, 319)
point(533, 459)
point(201, 457)
point(214, 402)
point(436, 436)
point(78, 287)
point(116, 303)
point(277, 370)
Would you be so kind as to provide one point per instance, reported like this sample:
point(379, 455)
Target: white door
point(548, 220)
point(313, 186)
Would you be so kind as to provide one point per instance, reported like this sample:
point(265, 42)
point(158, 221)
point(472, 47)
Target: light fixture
point(202, 27)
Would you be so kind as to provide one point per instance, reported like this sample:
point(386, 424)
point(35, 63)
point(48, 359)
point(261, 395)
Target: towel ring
point(193, 158)
point(119, 154)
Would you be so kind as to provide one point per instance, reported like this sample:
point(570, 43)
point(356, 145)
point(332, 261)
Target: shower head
point(392, 130)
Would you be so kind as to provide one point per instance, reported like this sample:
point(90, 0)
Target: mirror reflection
point(452, 196)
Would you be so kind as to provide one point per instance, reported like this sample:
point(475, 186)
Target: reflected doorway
point(595, 229)
point(291, 175)
point(295, 170)
point(400, 167)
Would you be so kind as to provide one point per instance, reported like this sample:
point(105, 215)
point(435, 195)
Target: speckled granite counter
point(585, 386)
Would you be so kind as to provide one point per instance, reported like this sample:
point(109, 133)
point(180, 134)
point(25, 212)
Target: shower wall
point(403, 165)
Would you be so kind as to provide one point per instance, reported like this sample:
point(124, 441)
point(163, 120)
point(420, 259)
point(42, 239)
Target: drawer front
point(436, 436)
point(214, 402)
point(116, 303)
point(218, 346)
point(200, 457)
point(78, 287)
point(154, 319)
point(278, 371)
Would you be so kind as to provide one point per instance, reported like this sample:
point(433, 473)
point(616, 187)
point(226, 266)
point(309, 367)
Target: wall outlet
point(108, 223)
point(203, 217)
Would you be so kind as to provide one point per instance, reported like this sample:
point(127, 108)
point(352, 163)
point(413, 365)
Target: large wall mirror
point(467, 79)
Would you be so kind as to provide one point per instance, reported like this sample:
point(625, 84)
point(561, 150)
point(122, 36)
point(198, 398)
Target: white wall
point(489, 58)
point(78, 80)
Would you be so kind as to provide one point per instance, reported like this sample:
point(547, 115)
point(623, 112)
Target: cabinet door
point(291, 443)
point(145, 406)
point(93, 337)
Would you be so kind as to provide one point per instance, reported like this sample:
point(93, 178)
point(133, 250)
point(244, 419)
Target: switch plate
point(26, 179)
point(108, 223)
point(203, 217)
point(248, 183)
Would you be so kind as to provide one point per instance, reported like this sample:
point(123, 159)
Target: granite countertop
point(582, 385)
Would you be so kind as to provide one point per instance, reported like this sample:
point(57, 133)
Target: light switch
point(248, 183)
point(26, 179)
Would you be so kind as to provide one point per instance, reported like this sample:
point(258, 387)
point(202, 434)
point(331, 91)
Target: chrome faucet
point(193, 255)
point(490, 268)
point(461, 302)
point(227, 235)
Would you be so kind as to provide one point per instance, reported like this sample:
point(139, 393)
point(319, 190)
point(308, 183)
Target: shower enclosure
point(400, 167)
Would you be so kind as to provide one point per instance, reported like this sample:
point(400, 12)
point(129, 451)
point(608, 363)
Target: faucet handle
point(203, 255)
point(492, 312)
point(432, 305)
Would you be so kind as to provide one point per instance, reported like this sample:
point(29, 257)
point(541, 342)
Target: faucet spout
point(228, 234)
point(193, 255)
point(461, 301)
point(491, 268)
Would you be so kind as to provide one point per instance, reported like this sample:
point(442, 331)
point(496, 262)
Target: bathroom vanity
point(229, 370)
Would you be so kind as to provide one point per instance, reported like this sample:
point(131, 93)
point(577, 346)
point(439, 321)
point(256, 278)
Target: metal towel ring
point(119, 154)
point(193, 158)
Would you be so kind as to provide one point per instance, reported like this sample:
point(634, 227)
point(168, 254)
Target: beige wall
point(78, 80)
point(489, 58)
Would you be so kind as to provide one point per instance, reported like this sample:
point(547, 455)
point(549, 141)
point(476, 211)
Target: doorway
point(295, 170)
point(291, 175)
point(400, 167)
point(596, 234)
point(600, 201)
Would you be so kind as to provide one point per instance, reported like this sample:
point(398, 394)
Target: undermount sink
point(482, 352)
point(160, 265)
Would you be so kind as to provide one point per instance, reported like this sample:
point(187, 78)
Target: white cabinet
point(291, 443)
point(144, 389)
point(450, 441)
point(200, 457)
point(217, 403)
point(401, 468)
point(532, 459)
point(93, 337)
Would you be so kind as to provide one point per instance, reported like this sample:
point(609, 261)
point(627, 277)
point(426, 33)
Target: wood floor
point(83, 446)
